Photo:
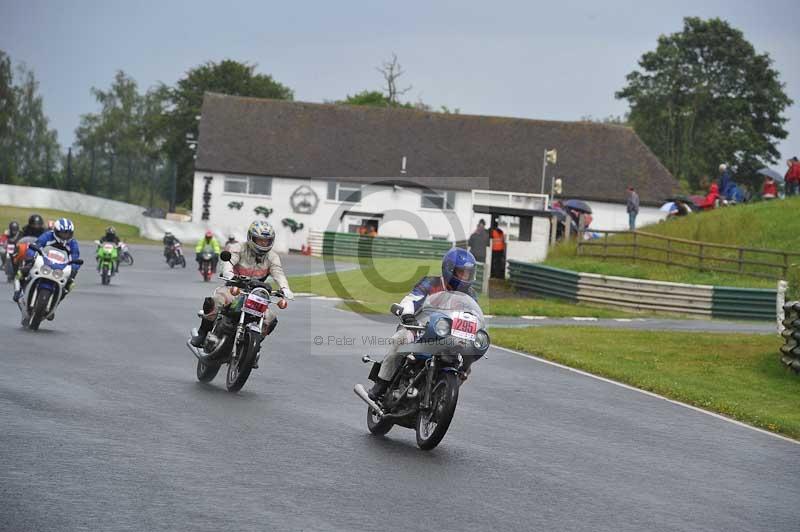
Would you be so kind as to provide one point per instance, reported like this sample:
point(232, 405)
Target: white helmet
point(260, 236)
point(63, 230)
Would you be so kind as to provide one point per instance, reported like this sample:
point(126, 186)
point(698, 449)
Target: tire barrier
point(641, 294)
point(790, 350)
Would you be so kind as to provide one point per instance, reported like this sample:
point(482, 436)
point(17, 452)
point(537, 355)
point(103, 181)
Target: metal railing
point(704, 256)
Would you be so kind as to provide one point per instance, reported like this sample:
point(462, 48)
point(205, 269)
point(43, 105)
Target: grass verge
point(737, 375)
point(376, 286)
point(86, 227)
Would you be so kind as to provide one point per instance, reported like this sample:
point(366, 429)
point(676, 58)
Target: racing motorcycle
point(206, 263)
point(238, 331)
point(46, 284)
point(106, 260)
point(175, 256)
point(16, 256)
point(125, 256)
point(450, 335)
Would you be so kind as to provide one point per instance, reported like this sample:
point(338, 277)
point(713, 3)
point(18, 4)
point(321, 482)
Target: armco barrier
point(640, 294)
point(353, 245)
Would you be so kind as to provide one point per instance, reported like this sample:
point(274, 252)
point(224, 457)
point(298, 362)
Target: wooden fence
point(704, 256)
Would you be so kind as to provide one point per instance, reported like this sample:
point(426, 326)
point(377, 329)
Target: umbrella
point(578, 205)
point(771, 173)
point(669, 207)
point(683, 199)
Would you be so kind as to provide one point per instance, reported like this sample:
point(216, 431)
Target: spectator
point(793, 177)
point(726, 185)
point(362, 229)
point(498, 252)
point(770, 190)
point(633, 208)
point(479, 241)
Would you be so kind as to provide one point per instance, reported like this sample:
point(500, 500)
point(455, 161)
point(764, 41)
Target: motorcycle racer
point(35, 226)
point(255, 259)
point(111, 236)
point(458, 273)
point(61, 236)
point(208, 240)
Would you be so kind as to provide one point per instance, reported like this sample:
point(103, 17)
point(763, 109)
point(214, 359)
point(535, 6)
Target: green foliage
point(118, 146)
point(185, 100)
point(29, 150)
point(704, 97)
point(369, 98)
point(737, 375)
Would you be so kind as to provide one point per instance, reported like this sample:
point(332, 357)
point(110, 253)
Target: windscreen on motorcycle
point(450, 302)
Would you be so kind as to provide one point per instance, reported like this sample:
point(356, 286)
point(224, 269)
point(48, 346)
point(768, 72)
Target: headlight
point(46, 270)
point(442, 327)
point(481, 340)
point(58, 274)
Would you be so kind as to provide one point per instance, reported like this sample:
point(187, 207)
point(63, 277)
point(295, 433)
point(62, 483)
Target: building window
point(346, 192)
point(433, 199)
point(259, 186)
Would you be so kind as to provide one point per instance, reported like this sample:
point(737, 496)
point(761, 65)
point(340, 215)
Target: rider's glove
point(287, 293)
point(408, 319)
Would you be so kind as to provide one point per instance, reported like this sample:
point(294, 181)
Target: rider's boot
point(205, 325)
point(378, 389)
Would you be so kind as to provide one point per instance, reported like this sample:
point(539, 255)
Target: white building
point(409, 173)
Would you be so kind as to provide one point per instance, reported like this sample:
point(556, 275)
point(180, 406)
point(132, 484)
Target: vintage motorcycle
point(125, 256)
point(207, 263)
point(450, 335)
point(238, 331)
point(46, 284)
point(175, 256)
point(106, 260)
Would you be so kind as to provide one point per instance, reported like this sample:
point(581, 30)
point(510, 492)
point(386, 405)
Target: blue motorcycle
point(450, 335)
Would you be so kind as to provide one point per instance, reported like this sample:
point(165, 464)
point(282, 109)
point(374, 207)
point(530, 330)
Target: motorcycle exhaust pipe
point(362, 393)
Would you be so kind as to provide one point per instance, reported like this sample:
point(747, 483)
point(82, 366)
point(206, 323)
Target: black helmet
point(13, 228)
point(35, 221)
point(110, 230)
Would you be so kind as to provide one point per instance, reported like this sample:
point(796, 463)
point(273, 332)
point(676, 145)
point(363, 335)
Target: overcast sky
point(549, 60)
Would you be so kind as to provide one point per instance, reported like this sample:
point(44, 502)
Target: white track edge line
point(651, 394)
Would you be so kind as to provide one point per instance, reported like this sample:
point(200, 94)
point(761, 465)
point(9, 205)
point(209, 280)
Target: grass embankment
point(771, 225)
point(86, 227)
point(386, 281)
point(737, 375)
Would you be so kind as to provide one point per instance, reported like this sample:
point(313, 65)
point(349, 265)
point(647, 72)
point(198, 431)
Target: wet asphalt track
point(104, 427)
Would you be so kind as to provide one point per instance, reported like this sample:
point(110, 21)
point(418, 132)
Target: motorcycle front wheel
point(183, 261)
point(241, 363)
point(432, 424)
point(39, 308)
point(127, 258)
point(10, 273)
point(105, 275)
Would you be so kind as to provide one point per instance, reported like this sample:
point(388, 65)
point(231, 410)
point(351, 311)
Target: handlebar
point(248, 283)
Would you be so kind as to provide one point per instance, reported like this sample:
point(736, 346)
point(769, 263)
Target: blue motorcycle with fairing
point(450, 335)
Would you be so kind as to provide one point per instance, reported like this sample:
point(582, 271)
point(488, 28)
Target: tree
point(226, 77)
point(391, 71)
point(703, 97)
point(7, 108)
point(32, 153)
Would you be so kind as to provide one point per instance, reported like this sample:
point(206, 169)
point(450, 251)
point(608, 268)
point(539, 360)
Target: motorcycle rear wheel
point(239, 367)
point(376, 425)
point(206, 372)
point(39, 308)
point(432, 424)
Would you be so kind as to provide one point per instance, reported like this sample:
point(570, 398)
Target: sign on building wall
point(304, 200)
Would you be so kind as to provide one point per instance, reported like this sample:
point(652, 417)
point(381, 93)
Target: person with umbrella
point(633, 208)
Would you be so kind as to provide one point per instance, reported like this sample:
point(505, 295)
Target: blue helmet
point(63, 230)
point(458, 269)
